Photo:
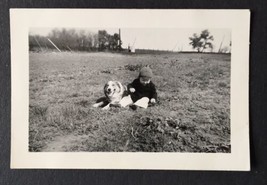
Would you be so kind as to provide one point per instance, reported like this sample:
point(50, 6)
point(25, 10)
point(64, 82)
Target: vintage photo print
point(136, 89)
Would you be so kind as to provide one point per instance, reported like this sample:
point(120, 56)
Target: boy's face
point(144, 81)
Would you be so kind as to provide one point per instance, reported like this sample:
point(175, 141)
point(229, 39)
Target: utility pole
point(120, 42)
point(38, 43)
point(221, 45)
point(175, 46)
point(53, 44)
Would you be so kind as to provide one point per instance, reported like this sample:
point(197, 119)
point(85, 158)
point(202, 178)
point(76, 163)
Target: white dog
point(114, 92)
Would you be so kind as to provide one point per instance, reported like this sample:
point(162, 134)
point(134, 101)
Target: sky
point(173, 39)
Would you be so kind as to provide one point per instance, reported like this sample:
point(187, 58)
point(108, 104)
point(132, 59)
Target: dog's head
point(113, 88)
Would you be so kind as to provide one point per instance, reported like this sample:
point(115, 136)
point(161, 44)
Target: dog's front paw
point(96, 105)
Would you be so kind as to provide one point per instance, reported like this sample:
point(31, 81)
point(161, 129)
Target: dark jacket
point(148, 90)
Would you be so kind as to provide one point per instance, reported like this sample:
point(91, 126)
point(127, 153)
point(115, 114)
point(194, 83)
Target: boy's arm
point(132, 85)
point(153, 91)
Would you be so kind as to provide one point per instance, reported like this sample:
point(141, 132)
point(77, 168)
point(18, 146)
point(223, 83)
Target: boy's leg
point(143, 102)
point(127, 100)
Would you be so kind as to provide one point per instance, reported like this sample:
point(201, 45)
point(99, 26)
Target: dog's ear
point(125, 88)
point(118, 85)
point(105, 86)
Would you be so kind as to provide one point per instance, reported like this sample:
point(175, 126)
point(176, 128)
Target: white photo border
point(236, 20)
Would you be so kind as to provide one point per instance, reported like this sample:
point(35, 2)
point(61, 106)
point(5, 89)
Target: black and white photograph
point(129, 90)
point(138, 89)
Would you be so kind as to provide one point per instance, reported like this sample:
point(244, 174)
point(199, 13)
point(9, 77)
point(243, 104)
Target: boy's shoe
point(133, 107)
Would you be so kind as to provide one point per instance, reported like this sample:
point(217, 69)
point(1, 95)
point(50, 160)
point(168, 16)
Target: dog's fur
point(114, 92)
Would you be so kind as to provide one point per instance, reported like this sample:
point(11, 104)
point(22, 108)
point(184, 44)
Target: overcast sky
point(157, 38)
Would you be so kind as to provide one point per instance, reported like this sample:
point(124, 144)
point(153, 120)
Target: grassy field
point(192, 115)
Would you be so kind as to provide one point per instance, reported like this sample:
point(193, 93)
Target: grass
point(192, 115)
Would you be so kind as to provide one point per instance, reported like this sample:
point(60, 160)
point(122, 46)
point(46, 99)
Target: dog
point(114, 91)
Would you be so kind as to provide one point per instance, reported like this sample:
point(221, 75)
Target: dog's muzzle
point(108, 91)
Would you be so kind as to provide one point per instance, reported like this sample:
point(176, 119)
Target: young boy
point(142, 91)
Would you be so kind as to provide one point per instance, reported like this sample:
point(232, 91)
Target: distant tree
point(82, 40)
point(117, 41)
point(202, 41)
point(103, 40)
point(195, 42)
point(64, 39)
point(108, 42)
point(95, 42)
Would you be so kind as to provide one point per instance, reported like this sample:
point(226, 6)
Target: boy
point(142, 91)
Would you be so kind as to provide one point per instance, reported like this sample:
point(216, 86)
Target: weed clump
point(131, 67)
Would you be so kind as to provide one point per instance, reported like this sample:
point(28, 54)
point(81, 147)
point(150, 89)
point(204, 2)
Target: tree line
point(76, 40)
